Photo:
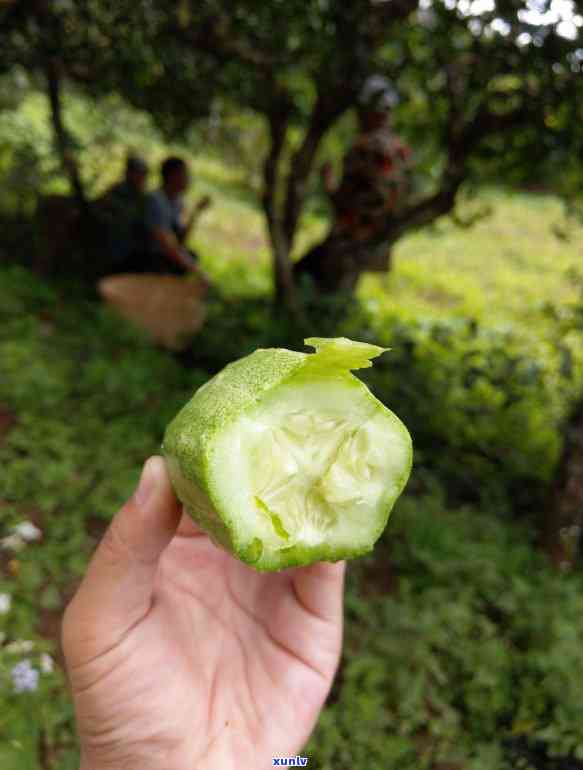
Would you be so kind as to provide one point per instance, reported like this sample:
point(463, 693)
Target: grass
point(506, 268)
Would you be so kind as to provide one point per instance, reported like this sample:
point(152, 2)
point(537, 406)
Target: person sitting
point(165, 226)
point(121, 210)
point(132, 187)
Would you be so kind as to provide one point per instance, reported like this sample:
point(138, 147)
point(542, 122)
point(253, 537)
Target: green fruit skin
point(188, 449)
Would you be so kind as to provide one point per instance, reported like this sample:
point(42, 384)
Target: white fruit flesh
point(313, 462)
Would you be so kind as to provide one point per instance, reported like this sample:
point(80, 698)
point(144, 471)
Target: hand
point(204, 203)
point(180, 657)
point(203, 278)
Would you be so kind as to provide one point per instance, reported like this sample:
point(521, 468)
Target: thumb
point(320, 590)
point(116, 591)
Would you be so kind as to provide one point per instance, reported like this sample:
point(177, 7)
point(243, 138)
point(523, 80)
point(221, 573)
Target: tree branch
point(278, 120)
point(461, 142)
point(337, 93)
point(327, 109)
point(214, 37)
point(61, 136)
point(385, 13)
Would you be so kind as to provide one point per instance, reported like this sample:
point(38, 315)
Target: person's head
point(136, 172)
point(376, 101)
point(175, 176)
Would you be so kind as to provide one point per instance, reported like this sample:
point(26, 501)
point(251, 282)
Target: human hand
point(204, 203)
point(202, 278)
point(180, 657)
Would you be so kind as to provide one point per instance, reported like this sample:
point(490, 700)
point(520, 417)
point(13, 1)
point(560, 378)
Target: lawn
point(507, 267)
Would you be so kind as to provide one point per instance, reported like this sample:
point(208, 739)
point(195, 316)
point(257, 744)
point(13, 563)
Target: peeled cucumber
point(286, 458)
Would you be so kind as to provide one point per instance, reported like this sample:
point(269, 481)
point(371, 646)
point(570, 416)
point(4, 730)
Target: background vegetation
point(462, 647)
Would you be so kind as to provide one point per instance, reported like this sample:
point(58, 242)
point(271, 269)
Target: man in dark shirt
point(133, 185)
point(121, 209)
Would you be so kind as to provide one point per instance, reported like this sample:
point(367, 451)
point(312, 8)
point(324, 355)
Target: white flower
point(28, 531)
point(23, 533)
point(5, 602)
point(24, 676)
point(20, 645)
point(12, 542)
point(47, 664)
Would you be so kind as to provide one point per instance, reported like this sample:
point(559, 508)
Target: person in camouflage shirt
point(376, 178)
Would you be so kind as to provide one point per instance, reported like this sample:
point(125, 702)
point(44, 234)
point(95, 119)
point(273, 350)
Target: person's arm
point(157, 229)
point(192, 219)
point(173, 251)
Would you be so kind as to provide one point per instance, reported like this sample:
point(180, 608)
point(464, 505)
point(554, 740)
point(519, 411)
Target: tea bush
point(475, 662)
point(484, 411)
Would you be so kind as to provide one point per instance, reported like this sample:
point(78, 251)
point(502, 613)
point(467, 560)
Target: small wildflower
point(24, 677)
point(46, 663)
point(12, 542)
point(28, 531)
point(20, 645)
point(5, 602)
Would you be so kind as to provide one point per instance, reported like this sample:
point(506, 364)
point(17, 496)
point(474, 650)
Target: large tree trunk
point(285, 295)
point(62, 140)
point(564, 513)
point(72, 237)
point(336, 264)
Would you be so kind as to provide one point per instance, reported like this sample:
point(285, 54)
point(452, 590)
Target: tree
point(490, 88)
point(33, 39)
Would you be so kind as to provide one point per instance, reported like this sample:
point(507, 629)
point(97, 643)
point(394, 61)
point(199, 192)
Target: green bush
point(483, 410)
point(90, 395)
point(89, 400)
point(475, 662)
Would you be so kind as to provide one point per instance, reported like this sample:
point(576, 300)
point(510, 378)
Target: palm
point(226, 657)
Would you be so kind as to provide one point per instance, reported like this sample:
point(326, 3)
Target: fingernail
point(146, 485)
